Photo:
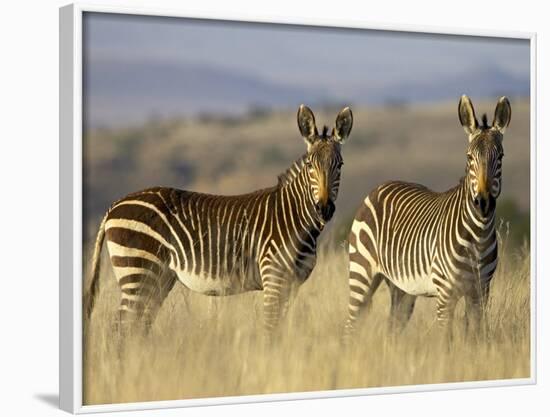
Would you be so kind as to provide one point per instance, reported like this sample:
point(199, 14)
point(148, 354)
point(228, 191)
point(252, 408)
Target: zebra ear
point(503, 114)
point(344, 123)
point(467, 115)
point(306, 124)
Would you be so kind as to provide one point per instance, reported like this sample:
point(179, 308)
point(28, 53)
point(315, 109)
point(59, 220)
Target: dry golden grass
point(207, 347)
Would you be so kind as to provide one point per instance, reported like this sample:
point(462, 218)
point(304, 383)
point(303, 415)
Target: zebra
point(426, 243)
point(220, 245)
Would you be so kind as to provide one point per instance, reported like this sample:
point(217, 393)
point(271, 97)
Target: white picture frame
point(70, 261)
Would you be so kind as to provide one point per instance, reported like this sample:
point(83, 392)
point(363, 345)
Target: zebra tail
point(89, 298)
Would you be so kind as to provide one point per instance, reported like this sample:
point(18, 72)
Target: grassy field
point(207, 347)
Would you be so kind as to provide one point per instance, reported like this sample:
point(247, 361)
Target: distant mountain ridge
point(121, 93)
point(487, 82)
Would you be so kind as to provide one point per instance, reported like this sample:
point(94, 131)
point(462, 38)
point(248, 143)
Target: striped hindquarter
point(422, 243)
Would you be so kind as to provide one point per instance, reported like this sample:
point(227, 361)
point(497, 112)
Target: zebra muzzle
point(483, 203)
point(326, 211)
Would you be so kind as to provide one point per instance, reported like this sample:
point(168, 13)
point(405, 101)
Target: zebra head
point(485, 152)
point(324, 159)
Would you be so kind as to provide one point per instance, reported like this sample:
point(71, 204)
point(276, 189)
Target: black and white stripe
point(220, 245)
point(424, 243)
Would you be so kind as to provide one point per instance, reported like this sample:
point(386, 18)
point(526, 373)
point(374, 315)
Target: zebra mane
point(484, 122)
point(324, 133)
point(292, 172)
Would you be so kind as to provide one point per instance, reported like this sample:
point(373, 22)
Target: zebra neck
point(296, 190)
point(480, 229)
point(291, 173)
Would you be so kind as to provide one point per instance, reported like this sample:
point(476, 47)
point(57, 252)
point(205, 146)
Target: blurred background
point(210, 106)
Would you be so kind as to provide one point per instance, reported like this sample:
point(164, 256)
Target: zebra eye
point(469, 157)
point(340, 164)
point(308, 164)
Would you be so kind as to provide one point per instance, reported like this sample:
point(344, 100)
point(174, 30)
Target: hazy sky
point(136, 65)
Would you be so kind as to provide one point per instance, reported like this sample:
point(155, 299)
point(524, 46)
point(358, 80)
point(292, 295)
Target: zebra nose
point(325, 210)
point(482, 203)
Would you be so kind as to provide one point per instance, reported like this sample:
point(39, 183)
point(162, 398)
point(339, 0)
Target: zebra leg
point(276, 299)
point(476, 309)
point(446, 304)
point(402, 307)
point(142, 295)
point(292, 294)
point(362, 288)
point(166, 283)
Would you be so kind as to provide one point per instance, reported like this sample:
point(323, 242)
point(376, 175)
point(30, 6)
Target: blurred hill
point(237, 154)
point(118, 94)
point(121, 95)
